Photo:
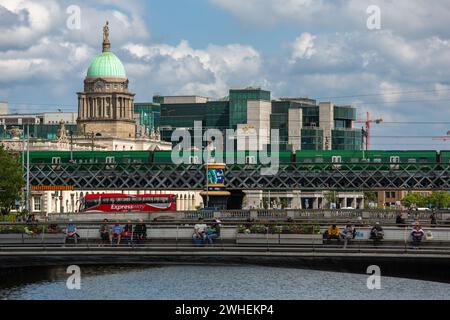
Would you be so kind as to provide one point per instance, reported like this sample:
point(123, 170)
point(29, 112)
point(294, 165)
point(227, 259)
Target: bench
point(39, 239)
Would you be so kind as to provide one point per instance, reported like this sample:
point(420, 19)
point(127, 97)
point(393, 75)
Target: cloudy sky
point(316, 48)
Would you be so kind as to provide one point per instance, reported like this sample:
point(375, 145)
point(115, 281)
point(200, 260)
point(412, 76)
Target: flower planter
point(19, 238)
point(301, 239)
point(11, 238)
point(58, 238)
point(243, 238)
point(256, 238)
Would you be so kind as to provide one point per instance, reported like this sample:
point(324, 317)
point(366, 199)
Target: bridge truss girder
point(241, 177)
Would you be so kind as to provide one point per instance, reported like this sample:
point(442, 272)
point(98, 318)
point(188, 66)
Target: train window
point(250, 160)
point(412, 160)
point(395, 159)
point(354, 160)
point(319, 160)
point(110, 160)
point(423, 160)
point(336, 159)
point(307, 160)
point(194, 160)
point(377, 160)
point(56, 160)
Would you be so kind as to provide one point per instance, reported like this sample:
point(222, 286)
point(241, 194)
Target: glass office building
point(308, 133)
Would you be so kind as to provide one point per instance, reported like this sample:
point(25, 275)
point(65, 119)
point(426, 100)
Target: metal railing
point(304, 236)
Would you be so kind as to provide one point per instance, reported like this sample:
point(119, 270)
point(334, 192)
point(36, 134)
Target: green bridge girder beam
point(240, 177)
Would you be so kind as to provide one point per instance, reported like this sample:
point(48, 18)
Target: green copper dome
point(106, 64)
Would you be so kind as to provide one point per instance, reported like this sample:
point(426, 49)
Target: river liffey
point(215, 283)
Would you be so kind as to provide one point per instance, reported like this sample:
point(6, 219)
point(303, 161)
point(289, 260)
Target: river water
point(215, 283)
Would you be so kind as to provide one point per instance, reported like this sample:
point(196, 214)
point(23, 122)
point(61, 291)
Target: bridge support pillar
point(254, 199)
point(296, 200)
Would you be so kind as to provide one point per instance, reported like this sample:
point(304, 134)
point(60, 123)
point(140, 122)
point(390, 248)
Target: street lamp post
point(23, 166)
point(71, 146)
point(28, 169)
point(207, 178)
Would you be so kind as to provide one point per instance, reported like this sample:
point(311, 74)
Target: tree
point(11, 180)
point(331, 197)
point(439, 199)
point(414, 199)
point(370, 196)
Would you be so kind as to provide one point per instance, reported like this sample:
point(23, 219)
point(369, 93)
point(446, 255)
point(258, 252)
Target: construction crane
point(366, 132)
point(447, 138)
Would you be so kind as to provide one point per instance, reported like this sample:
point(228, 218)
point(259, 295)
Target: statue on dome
point(106, 43)
point(106, 32)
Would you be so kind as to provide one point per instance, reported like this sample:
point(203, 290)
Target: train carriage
point(385, 160)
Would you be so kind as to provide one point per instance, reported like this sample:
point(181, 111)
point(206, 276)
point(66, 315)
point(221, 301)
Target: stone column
point(84, 107)
point(296, 200)
point(354, 203)
point(344, 202)
point(315, 203)
point(80, 107)
point(193, 202)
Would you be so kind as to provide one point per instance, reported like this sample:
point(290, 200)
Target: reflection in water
point(216, 282)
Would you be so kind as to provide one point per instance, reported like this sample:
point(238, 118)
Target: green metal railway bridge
point(362, 176)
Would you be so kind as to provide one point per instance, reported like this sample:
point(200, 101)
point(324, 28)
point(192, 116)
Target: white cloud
point(303, 47)
point(209, 71)
point(405, 17)
point(30, 21)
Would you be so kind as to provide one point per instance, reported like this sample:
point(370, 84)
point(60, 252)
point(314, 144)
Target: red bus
point(94, 203)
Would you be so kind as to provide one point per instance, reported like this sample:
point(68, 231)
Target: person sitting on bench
point(349, 233)
point(417, 234)
point(140, 231)
point(213, 232)
point(104, 231)
point(333, 232)
point(116, 232)
point(71, 232)
point(377, 232)
point(127, 233)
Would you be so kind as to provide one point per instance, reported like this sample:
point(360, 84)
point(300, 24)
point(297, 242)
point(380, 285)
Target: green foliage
point(414, 199)
point(12, 230)
point(331, 197)
point(370, 196)
point(8, 218)
point(438, 199)
point(11, 180)
point(285, 229)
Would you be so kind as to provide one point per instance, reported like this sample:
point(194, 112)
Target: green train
point(369, 159)
point(305, 159)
